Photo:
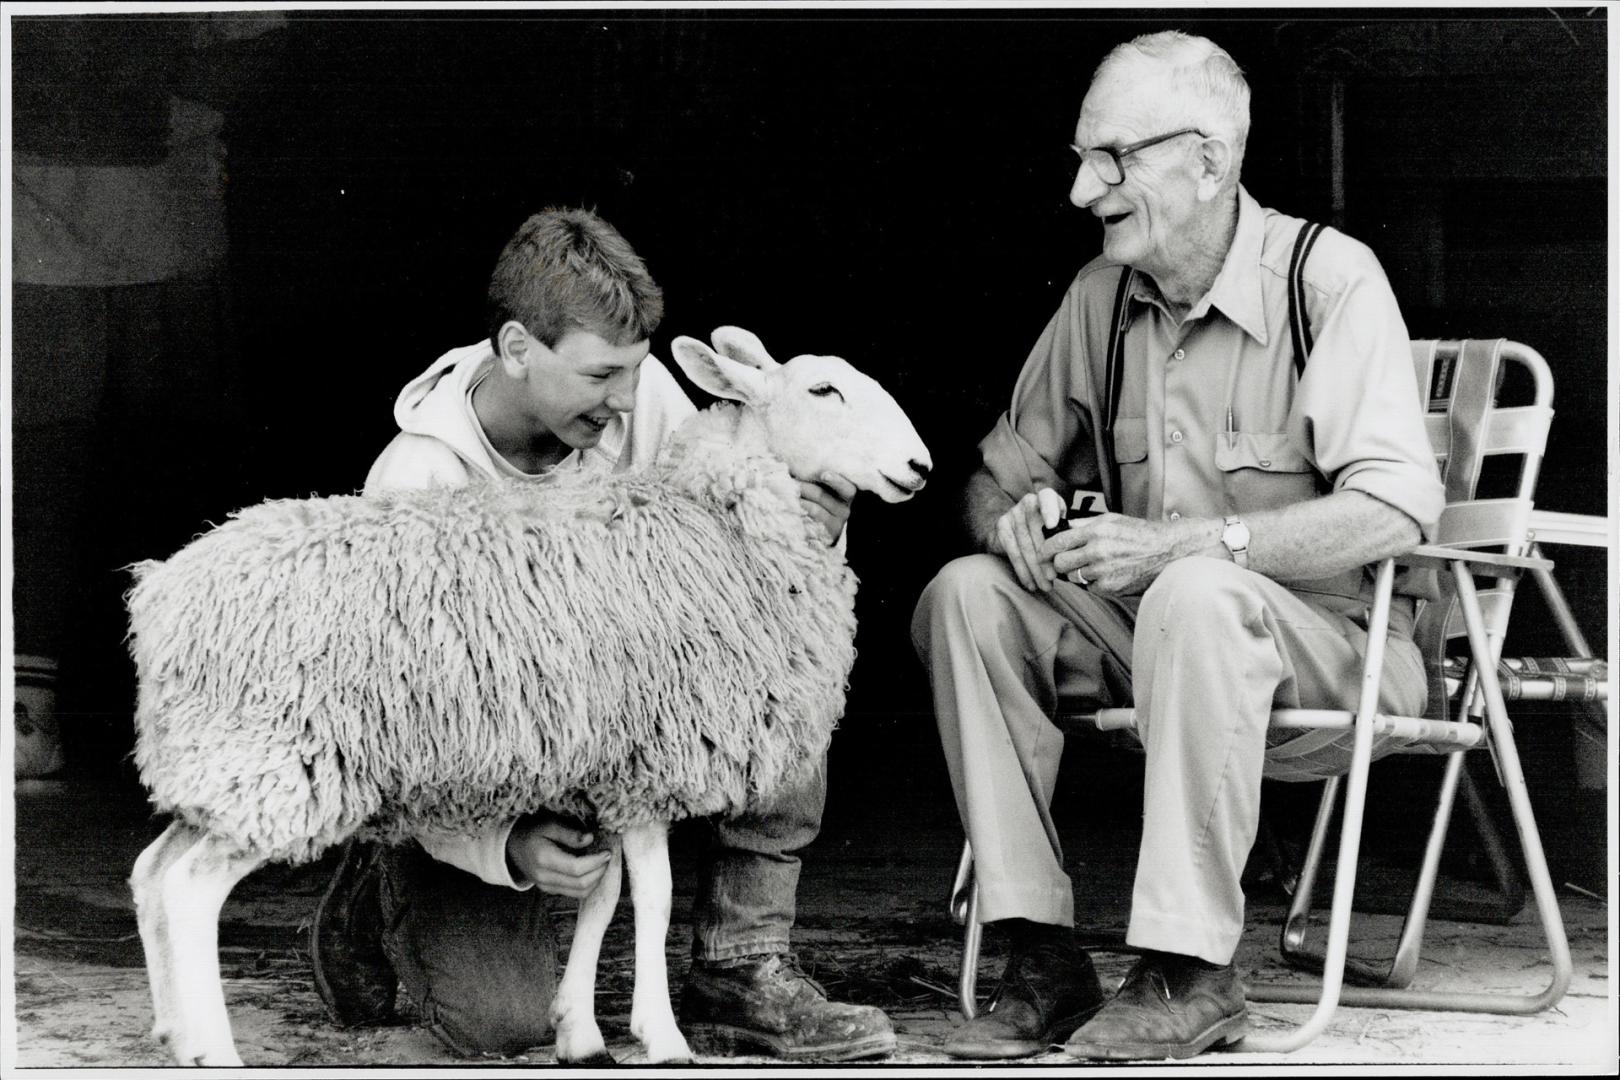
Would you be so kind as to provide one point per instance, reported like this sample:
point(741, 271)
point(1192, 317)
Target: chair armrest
point(1439, 557)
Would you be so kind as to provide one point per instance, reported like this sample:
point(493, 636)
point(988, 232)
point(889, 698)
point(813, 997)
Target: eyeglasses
point(1109, 163)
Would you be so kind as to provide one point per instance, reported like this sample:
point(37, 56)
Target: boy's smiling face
point(573, 390)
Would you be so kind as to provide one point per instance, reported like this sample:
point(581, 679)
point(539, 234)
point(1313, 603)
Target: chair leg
point(1508, 884)
point(965, 910)
point(1403, 965)
point(1512, 775)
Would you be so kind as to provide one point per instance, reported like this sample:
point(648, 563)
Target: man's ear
point(516, 348)
point(1215, 161)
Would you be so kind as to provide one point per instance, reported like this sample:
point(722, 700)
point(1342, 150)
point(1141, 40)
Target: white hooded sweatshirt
point(441, 442)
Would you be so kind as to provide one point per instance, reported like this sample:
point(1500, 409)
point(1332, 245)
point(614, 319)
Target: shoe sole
point(327, 995)
point(1012, 1049)
point(324, 990)
point(724, 1040)
point(1227, 1030)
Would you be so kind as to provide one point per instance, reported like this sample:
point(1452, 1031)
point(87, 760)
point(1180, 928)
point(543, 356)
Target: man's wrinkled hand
point(828, 501)
point(1114, 553)
point(1018, 537)
point(555, 856)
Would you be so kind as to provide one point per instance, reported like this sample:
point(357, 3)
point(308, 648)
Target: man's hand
point(547, 851)
point(1123, 555)
point(1017, 536)
point(828, 502)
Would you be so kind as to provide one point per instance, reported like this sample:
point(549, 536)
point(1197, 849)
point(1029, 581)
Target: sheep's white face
point(819, 414)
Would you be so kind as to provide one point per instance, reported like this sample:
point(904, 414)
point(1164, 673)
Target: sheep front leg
point(573, 1010)
point(652, 1021)
point(192, 889)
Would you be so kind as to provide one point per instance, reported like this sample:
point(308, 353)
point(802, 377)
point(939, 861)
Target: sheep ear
point(716, 374)
point(743, 346)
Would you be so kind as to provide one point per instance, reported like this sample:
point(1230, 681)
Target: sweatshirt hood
point(435, 403)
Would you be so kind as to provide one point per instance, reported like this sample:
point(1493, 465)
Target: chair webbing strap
point(1472, 394)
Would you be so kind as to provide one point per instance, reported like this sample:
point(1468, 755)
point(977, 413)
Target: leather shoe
point(1048, 989)
point(1169, 1006)
point(766, 1004)
point(353, 977)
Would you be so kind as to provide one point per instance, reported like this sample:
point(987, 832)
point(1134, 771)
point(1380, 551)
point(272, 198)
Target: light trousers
point(1204, 654)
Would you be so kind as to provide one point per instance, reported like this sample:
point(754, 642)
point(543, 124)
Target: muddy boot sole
point(725, 1040)
point(1228, 1030)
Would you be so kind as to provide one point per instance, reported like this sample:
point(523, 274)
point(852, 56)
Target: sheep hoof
point(219, 1057)
point(676, 1059)
point(598, 1057)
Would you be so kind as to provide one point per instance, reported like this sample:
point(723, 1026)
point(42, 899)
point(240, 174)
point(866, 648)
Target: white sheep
point(632, 650)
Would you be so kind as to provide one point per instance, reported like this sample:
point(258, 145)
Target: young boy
point(565, 381)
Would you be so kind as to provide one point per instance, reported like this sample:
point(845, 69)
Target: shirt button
point(1175, 515)
point(1265, 463)
point(1175, 436)
point(1180, 354)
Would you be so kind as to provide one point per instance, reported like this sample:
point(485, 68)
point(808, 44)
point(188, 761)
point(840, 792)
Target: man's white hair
point(1207, 87)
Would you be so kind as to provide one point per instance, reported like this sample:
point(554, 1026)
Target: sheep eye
point(823, 389)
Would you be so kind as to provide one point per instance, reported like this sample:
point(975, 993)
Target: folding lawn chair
point(1485, 537)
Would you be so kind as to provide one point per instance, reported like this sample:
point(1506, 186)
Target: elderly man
point(1252, 490)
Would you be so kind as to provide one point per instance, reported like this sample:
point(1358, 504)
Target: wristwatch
point(1236, 538)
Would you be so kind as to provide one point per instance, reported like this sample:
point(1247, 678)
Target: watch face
point(1236, 536)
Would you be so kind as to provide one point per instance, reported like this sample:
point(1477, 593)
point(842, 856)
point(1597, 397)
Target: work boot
point(352, 974)
point(765, 1004)
point(1169, 1006)
point(1048, 989)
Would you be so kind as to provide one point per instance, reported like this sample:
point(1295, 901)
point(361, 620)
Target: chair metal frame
point(1461, 441)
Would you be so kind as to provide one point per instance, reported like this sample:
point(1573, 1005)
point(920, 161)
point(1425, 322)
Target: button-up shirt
point(1213, 419)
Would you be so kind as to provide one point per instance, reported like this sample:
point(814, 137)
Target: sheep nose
point(921, 468)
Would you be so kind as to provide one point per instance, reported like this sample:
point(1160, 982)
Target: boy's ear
point(719, 375)
point(516, 347)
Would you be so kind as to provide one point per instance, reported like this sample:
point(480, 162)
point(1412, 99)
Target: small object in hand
point(1086, 504)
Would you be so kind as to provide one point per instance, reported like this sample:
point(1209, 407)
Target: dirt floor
point(872, 927)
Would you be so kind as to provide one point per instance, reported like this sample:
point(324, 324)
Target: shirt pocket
point(1131, 458)
point(1263, 470)
point(1130, 440)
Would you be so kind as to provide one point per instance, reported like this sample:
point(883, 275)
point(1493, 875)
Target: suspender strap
point(1297, 318)
point(1113, 379)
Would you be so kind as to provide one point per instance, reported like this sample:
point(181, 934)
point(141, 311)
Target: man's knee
point(962, 587)
point(1197, 598)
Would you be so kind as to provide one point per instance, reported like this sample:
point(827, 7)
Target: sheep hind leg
point(192, 887)
point(652, 1021)
point(145, 884)
point(573, 1010)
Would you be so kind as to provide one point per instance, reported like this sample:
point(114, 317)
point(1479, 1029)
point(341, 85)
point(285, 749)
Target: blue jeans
point(480, 961)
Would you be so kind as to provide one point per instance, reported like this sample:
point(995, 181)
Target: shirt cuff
point(1414, 491)
point(481, 854)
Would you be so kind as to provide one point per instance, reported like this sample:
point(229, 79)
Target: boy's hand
point(547, 851)
point(828, 502)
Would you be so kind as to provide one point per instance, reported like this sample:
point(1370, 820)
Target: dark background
point(888, 186)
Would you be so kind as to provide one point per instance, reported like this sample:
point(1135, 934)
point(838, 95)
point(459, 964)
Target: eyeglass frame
point(1124, 152)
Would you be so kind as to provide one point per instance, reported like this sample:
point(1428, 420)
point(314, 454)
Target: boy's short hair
point(567, 269)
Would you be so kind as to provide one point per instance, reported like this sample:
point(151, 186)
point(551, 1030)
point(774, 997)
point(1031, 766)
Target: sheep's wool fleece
point(622, 649)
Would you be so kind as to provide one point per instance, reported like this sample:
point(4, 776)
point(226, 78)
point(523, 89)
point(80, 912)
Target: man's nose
point(1087, 187)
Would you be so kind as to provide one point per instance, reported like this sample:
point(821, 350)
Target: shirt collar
point(1236, 291)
